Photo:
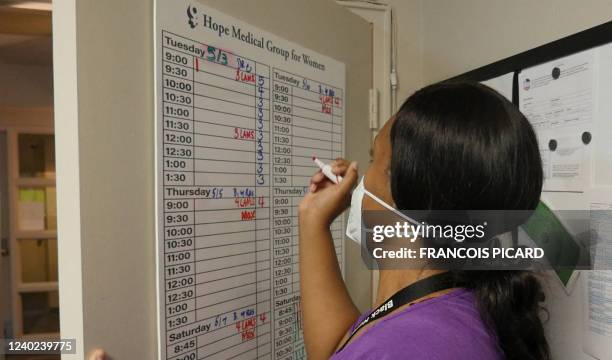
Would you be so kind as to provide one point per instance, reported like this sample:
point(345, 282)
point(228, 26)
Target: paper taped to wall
point(558, 98)
point(597, 320)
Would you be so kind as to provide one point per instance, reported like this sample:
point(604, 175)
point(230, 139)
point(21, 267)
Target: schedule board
point(240, 112)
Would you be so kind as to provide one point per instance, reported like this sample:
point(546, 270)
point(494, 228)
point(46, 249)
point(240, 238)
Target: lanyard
point(410, 293)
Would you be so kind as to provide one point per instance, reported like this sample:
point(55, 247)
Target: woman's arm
point(327, 309)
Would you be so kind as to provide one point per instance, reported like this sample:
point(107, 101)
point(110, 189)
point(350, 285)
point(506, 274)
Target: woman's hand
point(97, 354)
point(327, 308)
point(326, 200)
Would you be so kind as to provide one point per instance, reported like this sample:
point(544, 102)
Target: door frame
point(4, 250)
point(66, 111)
point(380, 16)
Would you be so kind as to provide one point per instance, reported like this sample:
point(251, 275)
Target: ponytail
point(463, 146)
point(510, 303)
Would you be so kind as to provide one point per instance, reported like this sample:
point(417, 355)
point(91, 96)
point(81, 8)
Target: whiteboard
point(239, 114)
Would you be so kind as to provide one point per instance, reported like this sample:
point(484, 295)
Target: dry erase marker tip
point(327, 170)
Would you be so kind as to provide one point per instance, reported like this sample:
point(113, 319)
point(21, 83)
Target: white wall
point(442, 38)
point(458, 36)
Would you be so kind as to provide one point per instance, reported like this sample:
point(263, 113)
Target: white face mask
point(353, 226)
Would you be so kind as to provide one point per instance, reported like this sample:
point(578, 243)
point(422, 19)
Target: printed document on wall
point(597, 321)
point(559, 99)
point(602, 129)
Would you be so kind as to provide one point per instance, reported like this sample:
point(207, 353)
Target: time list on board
point(236, 137)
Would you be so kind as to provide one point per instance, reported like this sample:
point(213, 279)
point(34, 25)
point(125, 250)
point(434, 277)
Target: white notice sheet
point(598, 285)
point(240, 113)
point(559, 100)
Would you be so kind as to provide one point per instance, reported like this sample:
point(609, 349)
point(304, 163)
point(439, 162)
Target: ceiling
point(25, 33)
point(44, 5)
point(26, 56)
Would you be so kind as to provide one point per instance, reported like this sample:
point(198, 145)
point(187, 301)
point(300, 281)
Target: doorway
point(29, 303)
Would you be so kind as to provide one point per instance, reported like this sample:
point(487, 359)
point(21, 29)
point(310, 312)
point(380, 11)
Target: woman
point(449, 147)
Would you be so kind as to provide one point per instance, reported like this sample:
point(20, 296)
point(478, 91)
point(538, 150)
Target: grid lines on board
point(238, 137)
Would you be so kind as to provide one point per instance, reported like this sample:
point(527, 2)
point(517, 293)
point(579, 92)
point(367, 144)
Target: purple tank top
point(442, 328)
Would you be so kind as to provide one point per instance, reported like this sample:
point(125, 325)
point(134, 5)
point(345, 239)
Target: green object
point(547, 231)
point(32, 195)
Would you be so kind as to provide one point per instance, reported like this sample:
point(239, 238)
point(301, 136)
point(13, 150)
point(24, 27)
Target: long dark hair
point(463, 146)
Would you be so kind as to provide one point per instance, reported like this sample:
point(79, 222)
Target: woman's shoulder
point(454, 315)
point(445, 327)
